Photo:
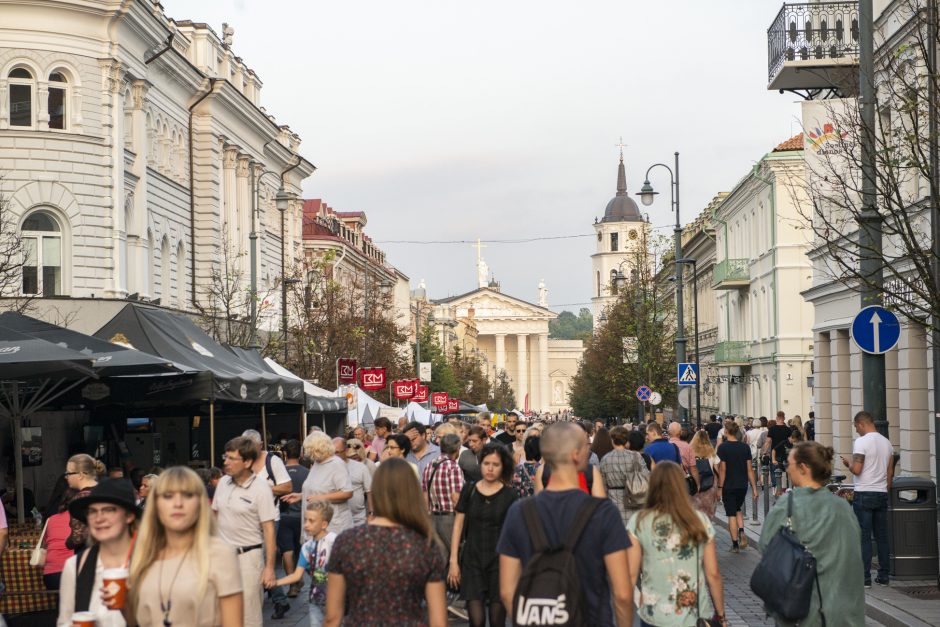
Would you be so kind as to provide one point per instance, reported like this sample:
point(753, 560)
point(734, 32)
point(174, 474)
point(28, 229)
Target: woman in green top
point(827, 526)
point(672, 551)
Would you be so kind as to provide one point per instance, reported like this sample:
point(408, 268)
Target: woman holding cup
point(110, 512)
point(182, 573)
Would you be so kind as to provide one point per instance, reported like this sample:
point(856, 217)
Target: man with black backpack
point(563, 553)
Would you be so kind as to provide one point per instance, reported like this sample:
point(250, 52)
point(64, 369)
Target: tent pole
point(303, 423)
point(212, 434)
point(264, 428)
point(17, 422)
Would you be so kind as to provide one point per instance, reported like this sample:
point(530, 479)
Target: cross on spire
point(621, 146)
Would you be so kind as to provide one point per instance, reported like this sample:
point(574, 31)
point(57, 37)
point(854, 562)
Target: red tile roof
point(350, 214)
point(794, 143)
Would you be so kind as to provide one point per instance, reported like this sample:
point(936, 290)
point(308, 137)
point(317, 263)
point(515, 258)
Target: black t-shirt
point(712, 428)
point(779, 437)
point(810, 428)
point(298, 474)
point(737, 458)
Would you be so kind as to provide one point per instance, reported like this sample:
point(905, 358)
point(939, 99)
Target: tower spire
point(621, 172)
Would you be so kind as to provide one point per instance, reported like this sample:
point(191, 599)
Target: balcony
point(813, 47)
point(732, 354)
point(731, 274)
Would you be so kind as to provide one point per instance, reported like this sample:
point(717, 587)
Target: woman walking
point(705, 500)
point(673, 554)
point(328, 480)
point(110, 513)
point(827, 526)
point(481, 511)
point(81, 472)
point(182, 573)
point(523, 479)
point(56, 535)
point(602, 444)
point(396, 545)
point(625, 474)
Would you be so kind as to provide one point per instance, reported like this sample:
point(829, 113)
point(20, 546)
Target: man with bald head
point(685, 451)
point(601, 551)
point(361, 502)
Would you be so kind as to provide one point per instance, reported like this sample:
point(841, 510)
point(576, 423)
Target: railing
point(816, 30)
point(732, 352)
point(731, 270)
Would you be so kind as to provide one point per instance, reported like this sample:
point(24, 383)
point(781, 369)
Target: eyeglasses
point(355, 446)
point(393, 447)
point(520, 430)
point(231, 458)
point(69, 474)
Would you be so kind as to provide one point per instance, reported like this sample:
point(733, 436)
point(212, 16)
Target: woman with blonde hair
point(672, 552)
point(706, 500)
point(182, 573)
point(362, 564)
point(328, 480)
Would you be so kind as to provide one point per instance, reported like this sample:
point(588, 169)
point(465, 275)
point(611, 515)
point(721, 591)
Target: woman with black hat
point(111, 513)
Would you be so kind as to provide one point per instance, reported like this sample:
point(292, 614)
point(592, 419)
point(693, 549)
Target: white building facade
point(136, 157)
point(762, 361)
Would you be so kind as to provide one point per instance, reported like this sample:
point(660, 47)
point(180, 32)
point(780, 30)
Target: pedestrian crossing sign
point(688, 374)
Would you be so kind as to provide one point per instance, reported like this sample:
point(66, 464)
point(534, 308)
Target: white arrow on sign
point(876, 328)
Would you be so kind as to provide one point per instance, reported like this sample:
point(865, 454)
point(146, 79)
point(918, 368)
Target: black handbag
point(785, 577)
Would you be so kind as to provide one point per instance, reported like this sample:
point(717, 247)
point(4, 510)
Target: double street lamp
point(647, 195)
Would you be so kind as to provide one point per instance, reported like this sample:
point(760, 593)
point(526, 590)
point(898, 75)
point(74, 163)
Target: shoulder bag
point(38, 556)
point(785, 577)
point(689, 479)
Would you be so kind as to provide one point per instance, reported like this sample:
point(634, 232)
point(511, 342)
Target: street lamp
point(698, 360)
point(282, 202)
point(647, 194)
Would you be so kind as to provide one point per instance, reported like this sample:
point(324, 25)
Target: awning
point(109, 359)
point(222, 374)
point(319, 401)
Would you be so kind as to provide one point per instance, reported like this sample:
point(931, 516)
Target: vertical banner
point(404, 389)
point(372, 378)
point(421, 394)
point(439, 400)
point(453, 405)
point(345, 371)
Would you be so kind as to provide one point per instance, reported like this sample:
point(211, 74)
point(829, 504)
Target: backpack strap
point(85, 577)
point(269, 467)
point(584, 517)
point(530, 513)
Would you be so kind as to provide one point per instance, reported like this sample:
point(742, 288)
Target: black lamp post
point(647, 194)
point(698, 360)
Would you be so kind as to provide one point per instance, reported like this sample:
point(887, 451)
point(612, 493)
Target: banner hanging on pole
point(439, 400)
point(372, 378)
point(453, 405)
point(421, 394)
point(346, 370)
point(404, 389)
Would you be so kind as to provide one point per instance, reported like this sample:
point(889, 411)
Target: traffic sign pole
point(875, 330)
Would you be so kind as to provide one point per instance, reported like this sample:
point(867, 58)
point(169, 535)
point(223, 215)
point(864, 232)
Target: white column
point(243, 215)
point(500, 352)
point(545, 398)
point(822, 389)
point(229, 210)
point(841, 378)
point(522, 379)
point(913, 400)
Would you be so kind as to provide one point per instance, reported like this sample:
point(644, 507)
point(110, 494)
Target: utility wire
point(499, 241)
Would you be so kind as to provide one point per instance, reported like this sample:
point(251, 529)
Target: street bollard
point(778, 473)
point(754, 509)
point(766, 472)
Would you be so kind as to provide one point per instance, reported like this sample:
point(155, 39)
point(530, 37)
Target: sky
point(499, 120)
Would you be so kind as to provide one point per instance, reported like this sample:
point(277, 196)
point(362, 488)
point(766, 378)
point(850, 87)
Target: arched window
point(58, 100)
point(42, 255)
point(22, 86)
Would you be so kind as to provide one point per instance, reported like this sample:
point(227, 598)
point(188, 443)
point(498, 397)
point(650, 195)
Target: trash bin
point(912, 515)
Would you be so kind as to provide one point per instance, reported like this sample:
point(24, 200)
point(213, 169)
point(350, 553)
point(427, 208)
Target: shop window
point(21, 88)
point(58, 99)
point(42, 255)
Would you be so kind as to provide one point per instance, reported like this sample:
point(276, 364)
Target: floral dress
point(671, 575)
point(523, 479)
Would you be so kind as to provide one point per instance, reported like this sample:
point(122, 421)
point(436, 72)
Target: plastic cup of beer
point(83, 619)
point(114, 581)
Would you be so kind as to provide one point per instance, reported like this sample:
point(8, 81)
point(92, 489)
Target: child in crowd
point(314, 556)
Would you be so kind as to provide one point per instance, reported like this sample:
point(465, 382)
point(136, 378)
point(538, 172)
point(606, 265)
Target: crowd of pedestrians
point(539, 522)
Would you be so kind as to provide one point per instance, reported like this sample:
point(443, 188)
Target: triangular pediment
point(556, 374)
point(490, 304)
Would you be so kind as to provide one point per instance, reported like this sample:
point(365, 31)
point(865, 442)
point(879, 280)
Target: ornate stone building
point(136, 157)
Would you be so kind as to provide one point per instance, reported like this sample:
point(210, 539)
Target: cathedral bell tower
point(620, 233)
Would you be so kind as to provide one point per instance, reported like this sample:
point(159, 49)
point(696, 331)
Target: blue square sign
point(687, 374)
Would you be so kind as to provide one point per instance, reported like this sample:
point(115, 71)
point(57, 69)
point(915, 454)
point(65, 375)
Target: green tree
point(568, 326)
point(503, 396)
point(605, 386)
point(471, 377)
point(442, 374)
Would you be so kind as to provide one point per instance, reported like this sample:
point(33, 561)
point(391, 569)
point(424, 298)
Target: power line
point(484, 241)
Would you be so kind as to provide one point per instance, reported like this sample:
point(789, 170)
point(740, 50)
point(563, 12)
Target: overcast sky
point(447, 120)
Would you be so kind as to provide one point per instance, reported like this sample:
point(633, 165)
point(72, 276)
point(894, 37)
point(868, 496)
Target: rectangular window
point(614, 242)
point(56, 108)
point(30, 266)
point(51, 266)
point(21, 105)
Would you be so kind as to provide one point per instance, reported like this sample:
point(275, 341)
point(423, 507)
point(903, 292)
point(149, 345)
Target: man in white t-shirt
point(273, 471)
point(873, 467)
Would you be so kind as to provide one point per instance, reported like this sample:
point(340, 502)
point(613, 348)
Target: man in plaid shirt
point(442, 483)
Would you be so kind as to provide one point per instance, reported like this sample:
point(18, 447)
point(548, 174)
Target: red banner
point(372, 378)
point(421, 394)
point(346, 371)
point(404, 389)
point(439, 400)
point(453, 405)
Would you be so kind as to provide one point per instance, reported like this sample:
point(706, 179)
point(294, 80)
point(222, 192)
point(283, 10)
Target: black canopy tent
point(33, 373)
point(221, 374)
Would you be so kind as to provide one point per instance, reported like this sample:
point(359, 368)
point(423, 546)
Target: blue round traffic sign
point(643, 393)
point(875, 330)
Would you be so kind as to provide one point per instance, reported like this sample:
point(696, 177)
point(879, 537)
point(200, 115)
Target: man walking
point(779, 435)
point(873, 467)
point(383, 427)
point(442, 482)
point(507, 434)
point(685, 451)
point(422, 452)
point(601, 552)
point(289, 530)
point(245, 510)
point(469, 460)
point(658, 447)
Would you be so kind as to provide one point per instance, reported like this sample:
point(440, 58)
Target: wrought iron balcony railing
point(732, 353)
point(812, 30)
point(731, 271)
